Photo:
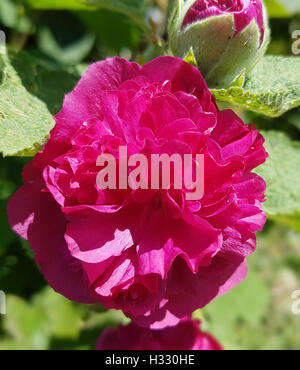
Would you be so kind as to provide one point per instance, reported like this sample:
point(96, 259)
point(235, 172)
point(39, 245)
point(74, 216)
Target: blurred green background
point(255, 315)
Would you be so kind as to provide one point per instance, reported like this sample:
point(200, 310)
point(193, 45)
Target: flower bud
point(227, 37)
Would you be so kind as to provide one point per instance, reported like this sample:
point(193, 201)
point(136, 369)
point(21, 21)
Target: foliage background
point(63, 37)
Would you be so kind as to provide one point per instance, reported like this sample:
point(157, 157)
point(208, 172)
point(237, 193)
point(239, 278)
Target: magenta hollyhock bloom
point(186, 335)
point(244, 12)
point(151, 253)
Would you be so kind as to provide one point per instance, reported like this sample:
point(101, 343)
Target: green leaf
point(26, 324)
point(63, 315)
point(13, 15)
point(112, 29)
point(282, 8)
point(281, 173)
point(30, 94)
point(134, 9)
point(272, 87)
point(7, 235)
point(190, 58)
point(247, 302)
point(7, 187)
point(32, 324)
point(58, 4)
point(63, 38)
point(294, 119)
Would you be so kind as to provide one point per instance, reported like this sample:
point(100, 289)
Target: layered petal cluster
point(151, 253)
point(186, 335)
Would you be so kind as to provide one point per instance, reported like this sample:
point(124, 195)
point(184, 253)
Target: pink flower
point(244, 12)
point(151, 253)
point(186, 335)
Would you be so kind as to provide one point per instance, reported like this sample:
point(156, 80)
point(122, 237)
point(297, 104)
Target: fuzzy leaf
point(272, 88)
point(30, 94)
point(281, 172)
